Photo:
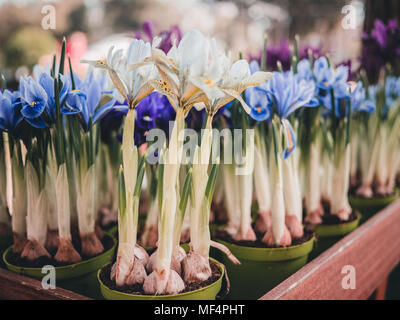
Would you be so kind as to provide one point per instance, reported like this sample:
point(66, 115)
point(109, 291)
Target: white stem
point(36, 221)
point(63, 203)
point(313, 192)
point(246, 192)
point(51, 172)
point(340, 181)
point(18, 206)
point(232, 200)
point(326, 172)
point(291, 188)
point(261, 181)
point(169, 202)
point(9, 174)
point(4, 219)
point(277, 200)
point(200, 213)
point(381, 164)
point(85, 201)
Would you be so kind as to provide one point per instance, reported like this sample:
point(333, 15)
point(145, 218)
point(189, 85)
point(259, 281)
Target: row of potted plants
point(314, 149)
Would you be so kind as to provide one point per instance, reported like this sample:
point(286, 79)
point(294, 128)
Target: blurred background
point(92, 26)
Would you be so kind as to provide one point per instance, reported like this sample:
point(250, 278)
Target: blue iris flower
point(47, 82)
point(10, 111)
point(257, 99)
point(326, 77)
point(147, 111)
point(355, 93)
point(85, 99)
point(33, 98)
point(304, 70)
point(287, 94)
point(392, 90)
point(38, 99)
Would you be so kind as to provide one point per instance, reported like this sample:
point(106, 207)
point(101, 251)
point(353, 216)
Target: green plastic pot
point(79, 277)
point(5, 241)
point(328, 235)
point(369, 206)
point(261, 269)
point(112, 231)
point(207, 293)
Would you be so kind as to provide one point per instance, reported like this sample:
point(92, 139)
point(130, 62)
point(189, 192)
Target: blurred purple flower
point(282, 53)
point(352, 75)
point(316, 52)
point(381, 47)
point(168, 37)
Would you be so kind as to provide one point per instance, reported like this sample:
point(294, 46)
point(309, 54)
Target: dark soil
point(330, 219)
point(16, 259)
point(225, 236)
point(353, 190)
point(138, 289)
point(109, 225)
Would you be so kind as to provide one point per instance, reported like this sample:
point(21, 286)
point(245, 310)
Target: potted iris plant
point(279, 230)
point(44, 173)
point(190, 74)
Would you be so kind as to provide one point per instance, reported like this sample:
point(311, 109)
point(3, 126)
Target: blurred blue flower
point(304, 70)
point(326, 77)
point(10, 111)
point(392, 90)
point(355, 93)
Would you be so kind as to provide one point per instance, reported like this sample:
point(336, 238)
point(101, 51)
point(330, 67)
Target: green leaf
point(211, 181)
point(139, 180)
point(3, 82)
point(62, 58)
point(53, 67)
point(121, 193)
point(264, 54)
point(71, 73)
point(160, 178)
point(185, 192)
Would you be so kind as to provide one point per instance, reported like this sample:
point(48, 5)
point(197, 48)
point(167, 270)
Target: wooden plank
point(14, 286)
point(373, 250)
point(380, 293)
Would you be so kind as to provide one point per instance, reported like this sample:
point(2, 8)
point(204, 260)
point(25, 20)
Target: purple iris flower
point(282, 53)
point(381, 47)
point(168, 37)
point(316, 52)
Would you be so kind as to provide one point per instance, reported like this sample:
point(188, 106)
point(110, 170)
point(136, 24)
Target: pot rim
point(338, 229)
point(271, 254)
point(30, 270)
point(360, 201)
point(167, 296)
